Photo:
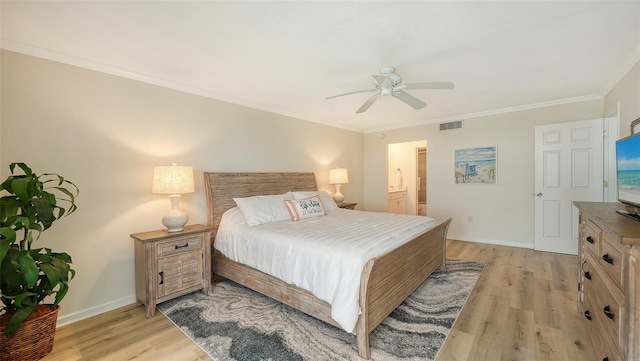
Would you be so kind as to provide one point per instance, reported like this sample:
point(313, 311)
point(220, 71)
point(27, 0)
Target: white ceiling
point(286, 57)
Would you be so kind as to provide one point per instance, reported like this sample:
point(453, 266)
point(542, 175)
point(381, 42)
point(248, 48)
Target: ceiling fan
point(390, 83)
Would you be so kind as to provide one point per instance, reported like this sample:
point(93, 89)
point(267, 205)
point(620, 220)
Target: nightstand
point(169, 265)
point(347, 205)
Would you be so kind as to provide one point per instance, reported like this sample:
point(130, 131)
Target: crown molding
point(107, 69)
point(493, 112)
point(103, 68)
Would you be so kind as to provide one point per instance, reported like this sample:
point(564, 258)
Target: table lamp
point(338, 177)
point(173, 180)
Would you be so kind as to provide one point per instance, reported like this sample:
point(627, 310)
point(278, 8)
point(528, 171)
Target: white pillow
point(264, 209)
point(327, 202)
point(305, 208)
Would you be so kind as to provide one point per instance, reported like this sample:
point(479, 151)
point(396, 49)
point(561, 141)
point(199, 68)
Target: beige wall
point(627, 93)
point(106, 133)
point(502, 213)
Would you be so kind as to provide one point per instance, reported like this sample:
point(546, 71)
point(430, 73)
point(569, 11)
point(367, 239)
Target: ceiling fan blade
point(414, 102)
point(368, 103)
point(355, 92)
point(430, 85)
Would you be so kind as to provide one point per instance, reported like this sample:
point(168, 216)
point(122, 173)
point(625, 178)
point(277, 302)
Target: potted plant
point(29, 204)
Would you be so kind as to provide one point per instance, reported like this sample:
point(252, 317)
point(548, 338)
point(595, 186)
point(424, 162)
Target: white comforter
point(323, 255)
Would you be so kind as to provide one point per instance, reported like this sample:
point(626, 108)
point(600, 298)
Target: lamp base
point(338, 197)
point(175, 221)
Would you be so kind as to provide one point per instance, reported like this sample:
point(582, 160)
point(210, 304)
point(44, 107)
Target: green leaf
point(52, 272)
point(20, 186)
point(61, 293)
point(18, 317)
point(44, 210)
point(29, 269)
point(12, 278)
point(5, 243)
point(25, 299)
point(27, 171)
point(8, 234)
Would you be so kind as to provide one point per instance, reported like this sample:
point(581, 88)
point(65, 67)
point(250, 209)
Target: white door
point(568, 167)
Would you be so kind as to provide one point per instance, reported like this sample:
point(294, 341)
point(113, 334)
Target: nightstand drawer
point(184, 244)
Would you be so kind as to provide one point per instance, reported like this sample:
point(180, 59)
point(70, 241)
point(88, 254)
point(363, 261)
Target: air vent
point(451, 125)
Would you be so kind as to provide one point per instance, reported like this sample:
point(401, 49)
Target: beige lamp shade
point(172, 179)
point(338, 176)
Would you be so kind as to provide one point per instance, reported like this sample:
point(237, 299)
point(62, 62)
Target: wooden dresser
point(609, 280)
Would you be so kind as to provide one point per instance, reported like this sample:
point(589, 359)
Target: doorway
point(402, 177)
point(421, 189)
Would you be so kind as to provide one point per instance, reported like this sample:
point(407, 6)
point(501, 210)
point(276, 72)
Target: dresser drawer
point(587, 274)
point(392, 196)
point(592, 238)
point(611, 259)
point(180, 245)
point(603, 345)
point(608, 312)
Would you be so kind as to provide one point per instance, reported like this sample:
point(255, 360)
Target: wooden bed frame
point(386, 281)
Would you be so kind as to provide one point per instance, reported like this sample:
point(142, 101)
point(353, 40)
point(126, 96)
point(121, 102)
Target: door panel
point(568, 161)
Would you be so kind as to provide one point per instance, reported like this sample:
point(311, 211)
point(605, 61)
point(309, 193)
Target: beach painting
point(476, 165)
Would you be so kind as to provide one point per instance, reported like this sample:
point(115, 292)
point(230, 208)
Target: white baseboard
point(94, 311)
point(490, 241)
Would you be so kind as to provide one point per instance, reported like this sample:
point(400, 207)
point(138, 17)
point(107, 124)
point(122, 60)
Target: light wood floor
point(523, 308)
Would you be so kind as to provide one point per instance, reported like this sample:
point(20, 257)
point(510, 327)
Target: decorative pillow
point(327, 202)
point(305, 208)
point(264, 209)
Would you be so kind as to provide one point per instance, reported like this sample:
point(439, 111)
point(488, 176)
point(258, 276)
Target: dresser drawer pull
point(587, 314)
point(587, 275)
point(590, 239)
point(161, 277)
point(183, 246)
point(607, 258)
point(607, 312)
point(605, 359)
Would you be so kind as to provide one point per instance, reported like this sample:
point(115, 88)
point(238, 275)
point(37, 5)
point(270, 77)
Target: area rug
point(236, 323)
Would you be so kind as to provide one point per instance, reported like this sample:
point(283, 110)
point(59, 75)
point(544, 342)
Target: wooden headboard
point(221, 188)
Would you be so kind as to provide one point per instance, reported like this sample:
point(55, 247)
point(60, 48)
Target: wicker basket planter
point(34, 339)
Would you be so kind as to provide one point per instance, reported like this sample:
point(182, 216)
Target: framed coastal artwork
point(476, 165)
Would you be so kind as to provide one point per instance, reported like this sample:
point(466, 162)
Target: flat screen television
point(628, 172)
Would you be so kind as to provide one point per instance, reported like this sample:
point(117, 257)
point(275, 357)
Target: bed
point(385, 280)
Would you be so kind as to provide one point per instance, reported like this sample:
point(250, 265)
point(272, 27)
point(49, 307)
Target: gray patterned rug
point(235, 323)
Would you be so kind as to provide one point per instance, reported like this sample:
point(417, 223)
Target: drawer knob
point(161, 277)
point(587, 275)
point(183, 246)
point(608, 313)
point(590, 239)
point(587, 314)
point(607, 258)
point(605, 359)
